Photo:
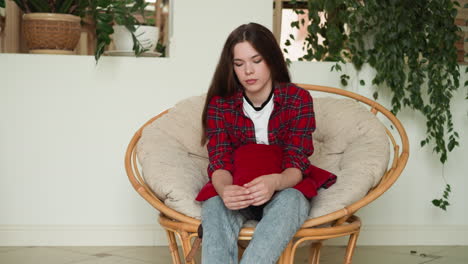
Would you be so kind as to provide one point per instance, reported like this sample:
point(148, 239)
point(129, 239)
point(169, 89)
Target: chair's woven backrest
point(174, 163)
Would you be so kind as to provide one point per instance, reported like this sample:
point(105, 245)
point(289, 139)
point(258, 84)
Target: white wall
point(65, 124)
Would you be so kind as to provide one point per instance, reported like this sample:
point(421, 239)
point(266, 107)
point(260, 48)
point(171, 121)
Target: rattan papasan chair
point(167, 166)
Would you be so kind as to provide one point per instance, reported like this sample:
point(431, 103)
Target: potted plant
point(107, 13)
point(147, 34)
point(103, 14)
point(50, 26)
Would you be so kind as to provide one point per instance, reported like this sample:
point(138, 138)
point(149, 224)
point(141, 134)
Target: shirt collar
point(277, 98)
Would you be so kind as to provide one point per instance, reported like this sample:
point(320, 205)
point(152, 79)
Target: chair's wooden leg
point(186, 246)
point(351, 246)
point(314, 254)
point(173, 247)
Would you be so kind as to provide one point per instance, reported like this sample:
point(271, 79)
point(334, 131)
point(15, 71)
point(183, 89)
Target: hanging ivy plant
point(410, 44)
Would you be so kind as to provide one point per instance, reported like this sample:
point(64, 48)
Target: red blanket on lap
point(254, 160)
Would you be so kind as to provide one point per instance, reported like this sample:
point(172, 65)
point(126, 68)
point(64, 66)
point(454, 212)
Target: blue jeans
point(282, 216)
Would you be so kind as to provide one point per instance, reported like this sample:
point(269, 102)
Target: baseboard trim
point(408, 235)
point(81, 235)
point(154, 235)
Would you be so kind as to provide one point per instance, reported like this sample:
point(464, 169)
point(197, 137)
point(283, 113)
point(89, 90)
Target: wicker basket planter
point(49, 33)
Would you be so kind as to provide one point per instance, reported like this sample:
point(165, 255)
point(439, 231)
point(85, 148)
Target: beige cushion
point(352, 143)
point(349, 141)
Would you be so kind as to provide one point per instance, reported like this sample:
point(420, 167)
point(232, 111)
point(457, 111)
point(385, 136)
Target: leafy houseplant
point(147, 33)
point(121, 12)
point(50, 27)
point(410, 44)
point(104, 13)
point(148, 18)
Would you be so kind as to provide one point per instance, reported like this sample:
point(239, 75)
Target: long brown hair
point(225, 82)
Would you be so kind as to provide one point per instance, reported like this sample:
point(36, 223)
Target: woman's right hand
point(236, 197)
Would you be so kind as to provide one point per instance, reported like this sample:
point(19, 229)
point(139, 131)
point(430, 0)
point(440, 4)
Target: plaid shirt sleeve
point(219, 144)
point(298, 144)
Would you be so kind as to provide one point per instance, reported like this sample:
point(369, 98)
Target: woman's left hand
point(262, 188)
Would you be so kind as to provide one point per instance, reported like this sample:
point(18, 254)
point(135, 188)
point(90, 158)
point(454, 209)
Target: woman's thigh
point(289, 205)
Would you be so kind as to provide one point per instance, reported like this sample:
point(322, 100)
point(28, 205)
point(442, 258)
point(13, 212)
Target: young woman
point(254, 115)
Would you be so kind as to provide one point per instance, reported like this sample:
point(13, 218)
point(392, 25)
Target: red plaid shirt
point(291, 125)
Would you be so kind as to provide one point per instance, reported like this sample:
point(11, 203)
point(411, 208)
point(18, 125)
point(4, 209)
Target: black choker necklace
point(263, 104)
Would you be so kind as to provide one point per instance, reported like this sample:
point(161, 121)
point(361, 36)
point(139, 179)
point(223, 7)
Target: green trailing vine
point(442, 203)
point(410, 44)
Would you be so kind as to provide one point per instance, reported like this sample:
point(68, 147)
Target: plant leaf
point(64, 7)
point(40, 6)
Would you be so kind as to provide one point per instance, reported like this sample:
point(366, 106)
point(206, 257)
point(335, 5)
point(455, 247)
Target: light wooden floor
point(160, 255)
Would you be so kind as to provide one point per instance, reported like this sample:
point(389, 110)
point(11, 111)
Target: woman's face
point(251, 70)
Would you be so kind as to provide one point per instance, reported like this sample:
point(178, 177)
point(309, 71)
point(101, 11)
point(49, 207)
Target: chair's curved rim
point(387, 180)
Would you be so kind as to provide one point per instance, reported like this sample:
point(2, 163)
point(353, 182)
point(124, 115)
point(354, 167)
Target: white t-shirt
point(260, 117)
